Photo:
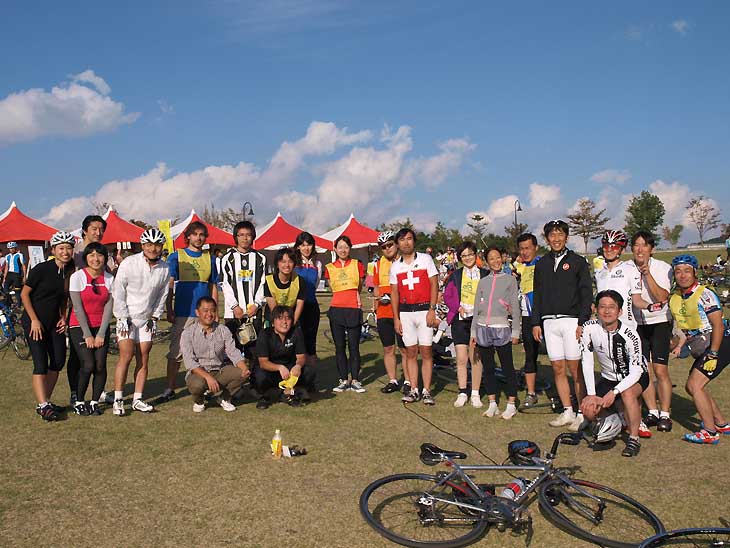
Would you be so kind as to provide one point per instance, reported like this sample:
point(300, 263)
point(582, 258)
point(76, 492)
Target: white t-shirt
point(664, 276)
point(626, 280)
point(413, 280)
point(77, 282)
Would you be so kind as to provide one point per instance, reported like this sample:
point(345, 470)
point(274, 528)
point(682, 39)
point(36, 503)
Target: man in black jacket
point(563, 292)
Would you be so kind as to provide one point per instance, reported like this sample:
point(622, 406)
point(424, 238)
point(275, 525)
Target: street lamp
point(518, 207)
point(250, 210)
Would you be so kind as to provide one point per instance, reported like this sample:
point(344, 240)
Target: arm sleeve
point(190, 360)
point(636, 363)
point(589, 376)
point(106, 317)
point(585, 289)
point(119, 293)
point(535, 316)
point(233, 353)
point(160, 305)
point(78, 306)
point(299, 346)
point(360, 269)
point(172, 264)
point(514, 302)
point(262, 345)
point(258, 298)
point(227, 275)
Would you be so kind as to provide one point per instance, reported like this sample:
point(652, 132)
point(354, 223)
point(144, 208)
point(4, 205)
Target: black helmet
point(522, 452)
point(557, 224)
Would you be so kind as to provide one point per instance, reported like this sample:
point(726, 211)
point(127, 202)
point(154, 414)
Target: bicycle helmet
point(522, 452)
point(686, 259)
point(152, 236)
point(386, 236)
point(615, 237)
point(12, 245)
point(556, 224)
point(442, 309)
point(62, 237)
point(607, 428)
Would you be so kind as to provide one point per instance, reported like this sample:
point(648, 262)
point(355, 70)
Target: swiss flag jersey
point(412, 279)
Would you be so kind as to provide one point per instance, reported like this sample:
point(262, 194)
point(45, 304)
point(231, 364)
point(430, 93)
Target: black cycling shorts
point(723, 359)
point(655, 339)
point(387, 334)
point(48, 354)
point(461, 331)
point(604, 386)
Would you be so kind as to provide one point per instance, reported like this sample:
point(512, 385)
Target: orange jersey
point(381, 280)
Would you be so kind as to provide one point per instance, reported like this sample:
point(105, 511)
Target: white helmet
point(12, 245)
point(607, 428)
point(152, 236)
point(62, 237)
point(386, 236)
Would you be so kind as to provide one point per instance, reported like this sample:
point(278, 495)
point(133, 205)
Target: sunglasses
point(387, 245)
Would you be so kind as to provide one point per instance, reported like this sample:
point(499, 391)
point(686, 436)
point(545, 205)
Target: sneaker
point(47, 413)
point(564, 419)
point(81, 409)
point(406, 388)
point(356, 386)
point(428, 398)
point(118, 407)
point(492, 410)
point(304, 395)
point(198, 407)
point(391, 387)
point(724, 429)
point(142, 406)
point(72, 400)
point(703, 436)
point(263, 403)
point(632, 448)
point(293, 401)
point(476, 401)
point(461, 400)
point(57, 408)
point(226, 405)
point(510, 411)
point(343, 386)
point(644, 432)
point(665, 424)
point(167, 395)
point(651, 420)
point(411, 397)
point(107, 398)
point(94, 409)
point(578, 424)
point(530, 400)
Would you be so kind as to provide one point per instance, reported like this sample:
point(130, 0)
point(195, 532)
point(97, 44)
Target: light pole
point(518, 207)
point(250, 209)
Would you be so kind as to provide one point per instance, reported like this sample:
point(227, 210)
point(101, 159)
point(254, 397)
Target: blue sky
point(316, 108)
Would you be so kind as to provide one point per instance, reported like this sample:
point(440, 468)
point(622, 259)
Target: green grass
point(177, 479)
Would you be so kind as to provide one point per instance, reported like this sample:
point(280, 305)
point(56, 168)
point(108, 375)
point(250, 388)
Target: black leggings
point(345, 324)
point(486, 353)
point(92, 360)
point(531, 346)
point(72, 366)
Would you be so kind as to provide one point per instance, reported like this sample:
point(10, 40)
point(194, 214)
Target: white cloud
point(541, 196)
point(611, 176)
point(675, 196)
point(71, 109)
point(502, 207)
point(680, 26)
point(436, 169)
point(634, 32)
point(165, 107)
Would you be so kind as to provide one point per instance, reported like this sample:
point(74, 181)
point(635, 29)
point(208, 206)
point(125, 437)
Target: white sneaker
point(118, 408)
point(476, 401)
point(226, 405)
point(509, 412)
point(564, 419)
point(356, 386)
point(461, 400)
point(198, 407)
point(492, 410)
point(142, 406)
point(107, 397)
point(577, 424)
point(342, 386)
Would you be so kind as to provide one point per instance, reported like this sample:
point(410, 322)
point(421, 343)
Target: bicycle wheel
point(713, 537)
point(390, 506)
point(20, 345)
point(622, 522)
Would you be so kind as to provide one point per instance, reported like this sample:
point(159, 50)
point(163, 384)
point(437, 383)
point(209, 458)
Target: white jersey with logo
point(625, 279)
point(664, 276)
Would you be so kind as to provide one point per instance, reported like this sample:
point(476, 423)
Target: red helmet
point(615, 237)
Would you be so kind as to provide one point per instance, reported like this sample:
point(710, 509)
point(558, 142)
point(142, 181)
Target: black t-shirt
point(269, 345)
point(48, 290)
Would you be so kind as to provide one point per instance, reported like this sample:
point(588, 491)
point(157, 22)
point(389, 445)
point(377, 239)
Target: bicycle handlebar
point(568, 438)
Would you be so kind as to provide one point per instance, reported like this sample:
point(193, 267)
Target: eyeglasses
point(467, 255)
point(387, 245)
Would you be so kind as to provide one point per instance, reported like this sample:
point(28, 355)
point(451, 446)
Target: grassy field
point(177, 479)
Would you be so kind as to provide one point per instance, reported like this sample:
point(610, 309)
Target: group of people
point(271, 318)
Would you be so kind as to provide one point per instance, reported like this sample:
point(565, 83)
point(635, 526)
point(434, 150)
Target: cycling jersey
point(626, 280)
point(619, 355)
point(193, 272)
point(140, 288)
point(310, 273)
point(413, 279)
point(526, 273)
point(691, 307)
point(15, 262)
point(664, 277)
point(381, 279)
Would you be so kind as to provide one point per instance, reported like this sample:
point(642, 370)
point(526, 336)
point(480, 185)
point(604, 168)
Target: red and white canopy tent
point(279, 233)
point(360, 235)
point(16, 226)
point(216, 236)
point(118, 231)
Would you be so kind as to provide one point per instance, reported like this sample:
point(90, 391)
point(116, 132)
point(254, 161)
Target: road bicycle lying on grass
point(450, 509)
point(709, 537)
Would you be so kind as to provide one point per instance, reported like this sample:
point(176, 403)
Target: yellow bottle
point(276, 445)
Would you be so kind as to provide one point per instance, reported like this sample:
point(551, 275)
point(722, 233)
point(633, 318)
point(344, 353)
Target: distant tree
point(395, 226)
point(512, 232)
point(645, 212)
point(101, 207)
point(140, 224)
point(672, 235)
point(478, 225)
point(703, 215)
point(224, 219)
point(725, 228)
point(443, 237)
point(586, 222)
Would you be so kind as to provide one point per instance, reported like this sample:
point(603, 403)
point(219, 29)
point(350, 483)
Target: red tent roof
point(361, 235)
point(119, 230)
point(216, 236)
point(279, 233)
point(17, 226)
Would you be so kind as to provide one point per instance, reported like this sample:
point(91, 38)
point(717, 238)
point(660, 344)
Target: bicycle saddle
point(431, 455)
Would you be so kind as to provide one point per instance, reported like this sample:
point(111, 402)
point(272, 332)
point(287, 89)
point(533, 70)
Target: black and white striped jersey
point(243, 276)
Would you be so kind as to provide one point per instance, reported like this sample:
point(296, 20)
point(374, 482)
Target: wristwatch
point(432, 306)
point(616, 391)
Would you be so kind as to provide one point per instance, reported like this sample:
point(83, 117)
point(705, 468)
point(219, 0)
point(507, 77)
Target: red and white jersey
point(414, 286)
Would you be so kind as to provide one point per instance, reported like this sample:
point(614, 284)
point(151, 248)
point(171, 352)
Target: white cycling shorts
point(416, 330)
point(138, 332)
point(560, 339)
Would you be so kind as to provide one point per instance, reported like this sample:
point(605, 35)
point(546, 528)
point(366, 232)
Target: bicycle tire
point(396, 495)
point(20, 345)
point(627, 517)
point(712, 537)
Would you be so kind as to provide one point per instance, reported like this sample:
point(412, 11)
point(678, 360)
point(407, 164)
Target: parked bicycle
point(711, 537)
point(11, 332)
point(450, 509)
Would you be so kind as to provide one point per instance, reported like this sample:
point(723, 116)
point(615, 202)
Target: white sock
point(137, 396)
point(93, 402)
point(492, 403)
point(663, 415)
point(511, 404)
point(118, 395)
point(655, 412)
point(475, 393)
